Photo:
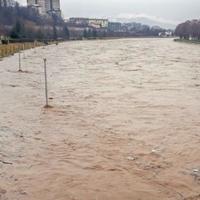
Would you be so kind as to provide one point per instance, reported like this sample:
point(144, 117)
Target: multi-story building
point(46, 6)
point(78, 21)
point(53, 6)
point(37, 4)
point(7, 3)
point(93, 23)
point(98, 23)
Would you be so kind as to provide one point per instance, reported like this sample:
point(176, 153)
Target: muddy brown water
point(125, 122)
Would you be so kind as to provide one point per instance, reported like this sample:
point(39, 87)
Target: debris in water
point(130, 158)
point(6, 163)
point(153, 151)
point(196, 170)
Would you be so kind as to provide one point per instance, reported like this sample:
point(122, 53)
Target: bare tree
point(189, 29)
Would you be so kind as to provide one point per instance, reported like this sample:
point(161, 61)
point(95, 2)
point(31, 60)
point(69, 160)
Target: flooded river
point(125, 122)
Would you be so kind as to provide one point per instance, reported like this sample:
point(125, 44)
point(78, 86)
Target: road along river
point(125, 122)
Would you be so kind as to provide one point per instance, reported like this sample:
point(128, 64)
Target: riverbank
point(12, 48)
point(188, 41)
point(124, 122)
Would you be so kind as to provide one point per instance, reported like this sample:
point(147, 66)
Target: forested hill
point(26, 23)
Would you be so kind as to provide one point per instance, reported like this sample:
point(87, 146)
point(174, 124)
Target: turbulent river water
point(124, 122)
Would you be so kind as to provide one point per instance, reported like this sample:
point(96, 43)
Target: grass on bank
point(12, 48)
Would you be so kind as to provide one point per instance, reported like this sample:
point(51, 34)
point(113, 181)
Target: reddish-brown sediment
point(125, 122)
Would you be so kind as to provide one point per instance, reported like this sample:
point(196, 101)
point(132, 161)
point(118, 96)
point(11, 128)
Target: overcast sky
point(164, 10)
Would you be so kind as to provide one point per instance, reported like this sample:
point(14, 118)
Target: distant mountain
point(147, 21)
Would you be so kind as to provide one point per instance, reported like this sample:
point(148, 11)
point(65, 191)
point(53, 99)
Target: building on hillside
point(98, 23)
point(37, 4)
point(53, 6)
point(93, 23)
point(7, 3)
point(80, 22)
point(46, 6)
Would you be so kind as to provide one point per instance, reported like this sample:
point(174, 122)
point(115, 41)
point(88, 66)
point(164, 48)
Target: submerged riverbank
point(188, 41)
point(12, 48)
point(124, 123)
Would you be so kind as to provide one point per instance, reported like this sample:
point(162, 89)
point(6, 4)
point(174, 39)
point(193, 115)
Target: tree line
point(26, 23)
point(189, 30)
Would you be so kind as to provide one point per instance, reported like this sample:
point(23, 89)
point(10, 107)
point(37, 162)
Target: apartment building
point(7, 3)
point(37, 4)
point(90, 22)
point(52, 6)
point(46, 6)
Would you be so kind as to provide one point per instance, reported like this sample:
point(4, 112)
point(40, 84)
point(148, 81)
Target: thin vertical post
point(24, 51)
point(46, 83)
point(34, 46)
point(20, 67)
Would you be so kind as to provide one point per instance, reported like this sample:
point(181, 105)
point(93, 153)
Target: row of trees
point(189, 30)
point(26, 23)
point(123, 30)
point(95, 33)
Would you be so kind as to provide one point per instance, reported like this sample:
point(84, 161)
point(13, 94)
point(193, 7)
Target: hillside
point(26, 23)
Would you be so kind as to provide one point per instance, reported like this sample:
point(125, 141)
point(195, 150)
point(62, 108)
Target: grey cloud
point(169, 10)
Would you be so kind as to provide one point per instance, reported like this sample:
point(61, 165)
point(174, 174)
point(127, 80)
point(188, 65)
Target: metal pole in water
point(24, 51)
point(34, 46)
point(20, 69)
point(46, 83)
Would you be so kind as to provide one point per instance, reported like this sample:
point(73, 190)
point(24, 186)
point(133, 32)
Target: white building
point(90, 22)
point(98, 23)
